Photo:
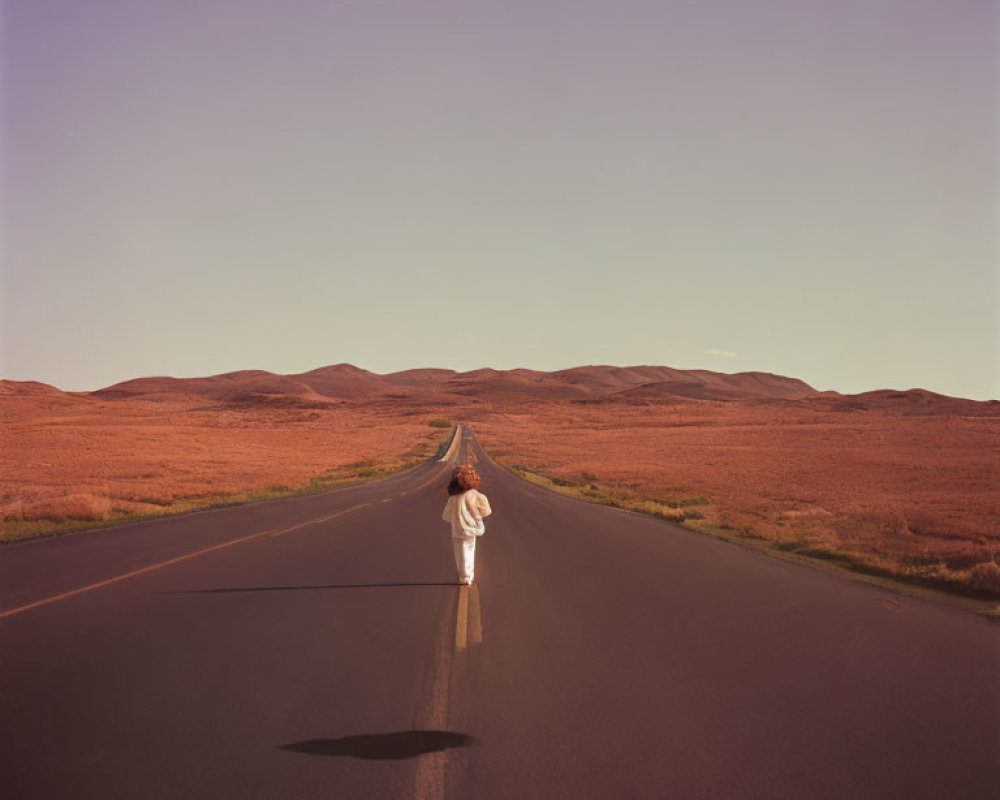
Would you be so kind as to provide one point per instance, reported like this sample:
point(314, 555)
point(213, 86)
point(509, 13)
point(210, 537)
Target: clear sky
point(807, 187)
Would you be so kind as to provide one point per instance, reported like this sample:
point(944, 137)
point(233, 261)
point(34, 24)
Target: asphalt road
point(318, 648)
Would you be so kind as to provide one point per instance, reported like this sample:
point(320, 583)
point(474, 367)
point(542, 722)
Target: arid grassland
point(916, 497)
point(69, 462)
point(898, 484)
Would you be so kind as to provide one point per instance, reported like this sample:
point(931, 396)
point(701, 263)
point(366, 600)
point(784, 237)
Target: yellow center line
point(469, 618)
point(431, 768)
point(462, 621)
point(475, 616)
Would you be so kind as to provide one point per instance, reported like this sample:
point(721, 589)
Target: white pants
point(465, 556)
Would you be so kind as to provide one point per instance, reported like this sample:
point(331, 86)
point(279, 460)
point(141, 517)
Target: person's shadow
point(312, 586)
point(382, 746)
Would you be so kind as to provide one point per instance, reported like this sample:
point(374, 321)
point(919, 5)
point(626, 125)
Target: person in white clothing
point(465, 510)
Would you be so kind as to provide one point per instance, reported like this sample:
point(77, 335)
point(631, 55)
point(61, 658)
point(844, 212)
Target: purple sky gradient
point(806, 187)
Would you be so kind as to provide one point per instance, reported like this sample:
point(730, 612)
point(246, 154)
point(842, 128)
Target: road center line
point(462, 620)
point(431, 768)
point(475, 616)
point(469, 618)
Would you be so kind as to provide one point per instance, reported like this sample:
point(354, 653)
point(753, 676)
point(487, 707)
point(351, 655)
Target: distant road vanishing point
point(318, 647)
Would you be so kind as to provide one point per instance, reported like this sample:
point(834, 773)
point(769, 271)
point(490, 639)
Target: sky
point(804, 187)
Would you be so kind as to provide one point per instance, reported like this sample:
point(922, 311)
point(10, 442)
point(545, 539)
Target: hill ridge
point(335, 383)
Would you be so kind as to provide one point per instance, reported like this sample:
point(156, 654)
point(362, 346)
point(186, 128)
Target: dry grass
point(75, 462)
point(916, 498)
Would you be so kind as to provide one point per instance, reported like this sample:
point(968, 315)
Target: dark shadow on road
point(313, 586)
point(382, 746)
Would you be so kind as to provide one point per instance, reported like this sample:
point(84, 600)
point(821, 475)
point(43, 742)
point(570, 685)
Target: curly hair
point(463, 479)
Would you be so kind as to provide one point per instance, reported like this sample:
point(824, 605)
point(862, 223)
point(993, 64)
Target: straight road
point(318, 647)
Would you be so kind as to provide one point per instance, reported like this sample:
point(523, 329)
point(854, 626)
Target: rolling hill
point(345, 381)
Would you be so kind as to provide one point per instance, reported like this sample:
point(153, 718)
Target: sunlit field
point(71, 461)
point(916, 496)
point(904, 485)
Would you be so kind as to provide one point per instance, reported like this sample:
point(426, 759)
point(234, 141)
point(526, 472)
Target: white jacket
point(465, 512)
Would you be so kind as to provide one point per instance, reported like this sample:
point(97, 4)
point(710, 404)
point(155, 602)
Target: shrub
point(986, 576)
